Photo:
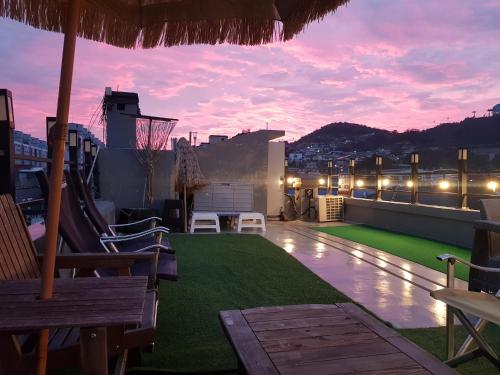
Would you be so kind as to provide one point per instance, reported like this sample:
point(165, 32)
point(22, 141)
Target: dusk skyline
point(389, 64)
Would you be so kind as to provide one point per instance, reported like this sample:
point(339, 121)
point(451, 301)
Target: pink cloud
point(394, 65)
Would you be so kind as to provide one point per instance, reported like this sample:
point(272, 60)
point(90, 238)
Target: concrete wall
point(122, 178)
point(275, 178)
point(450, 225)
point(243, 158)
point(121, 128)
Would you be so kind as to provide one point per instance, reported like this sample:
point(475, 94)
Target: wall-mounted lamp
point(386, 182)
point(462, 153)
point(360, 183)
point(321, 181)
point(409, 183)
point(73, 138)
point(93, 152)
point(444, 185)
point(415, 158)
point(492, 185)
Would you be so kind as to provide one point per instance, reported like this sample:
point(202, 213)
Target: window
point(120, 107)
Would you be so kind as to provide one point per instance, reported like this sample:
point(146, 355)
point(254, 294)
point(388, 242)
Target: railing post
point(73, 149)
point(49, 124)
point(352, 164)
point(415, 160)
point(87, 152)
point(95, 172)
point(330, 173)
point(7, 125)
point(462, 178)
point(378, 176)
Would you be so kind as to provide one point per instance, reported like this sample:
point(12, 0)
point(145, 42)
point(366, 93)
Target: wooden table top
point(322, 339)
point(80, 302)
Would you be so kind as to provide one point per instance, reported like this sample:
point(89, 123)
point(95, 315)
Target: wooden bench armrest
point(92, 261)
point(487, 225)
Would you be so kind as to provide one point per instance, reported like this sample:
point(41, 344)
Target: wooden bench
point(322, 339)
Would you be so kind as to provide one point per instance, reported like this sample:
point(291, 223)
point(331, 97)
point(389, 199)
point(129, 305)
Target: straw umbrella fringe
point(188, 175)
point(130, 24)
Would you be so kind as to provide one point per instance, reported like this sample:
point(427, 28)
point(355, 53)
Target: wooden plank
point(271, 309)
point(424, 358)
point(303, 322)
point(397, 362)
point(371, 322)
point(369, 347)
point(248, 349)
point(297, 333)
point(317, 342)
point(292, 314)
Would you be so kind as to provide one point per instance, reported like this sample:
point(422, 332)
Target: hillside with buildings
point(437, 145)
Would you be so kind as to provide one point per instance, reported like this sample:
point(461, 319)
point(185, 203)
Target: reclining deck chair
point(142, 239)
point(19, 261)
point(482, 299)
point(81, 237)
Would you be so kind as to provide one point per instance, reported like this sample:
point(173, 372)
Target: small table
point(322, 339)
point(89, 303)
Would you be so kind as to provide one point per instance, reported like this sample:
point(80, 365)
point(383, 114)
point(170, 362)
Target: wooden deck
point(322, 339)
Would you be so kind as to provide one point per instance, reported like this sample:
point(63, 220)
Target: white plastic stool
point(205, 220)
point(251, 220)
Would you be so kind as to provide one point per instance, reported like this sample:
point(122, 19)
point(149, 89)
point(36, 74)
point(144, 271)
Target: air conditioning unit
point(330, 208)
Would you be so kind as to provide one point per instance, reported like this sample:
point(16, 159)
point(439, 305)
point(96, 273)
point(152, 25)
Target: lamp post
point(462, 178)
point(378, 176)
point(414, 161)
point(73, 149)
point(330, 173)
point(7, 125)
point(49, 124)
point(87, 154)
point(352, 164)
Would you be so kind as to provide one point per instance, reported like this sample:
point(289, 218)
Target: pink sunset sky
point(390, 64)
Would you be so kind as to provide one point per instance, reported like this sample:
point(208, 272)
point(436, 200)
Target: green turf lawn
point(219, 272)
point(416, 249)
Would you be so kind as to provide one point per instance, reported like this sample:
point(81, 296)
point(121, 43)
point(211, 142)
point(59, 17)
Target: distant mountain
point(348, 136)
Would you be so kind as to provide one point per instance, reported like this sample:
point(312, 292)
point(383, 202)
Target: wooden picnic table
point(322, 339)
point(93, 304)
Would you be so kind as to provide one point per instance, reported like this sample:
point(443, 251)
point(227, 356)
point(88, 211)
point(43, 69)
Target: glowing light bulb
point(492, 185)
point(385, 182)
point(444, 185)
point(360, 183)
point(409, 183)
point(290, 180)
point(321, 181)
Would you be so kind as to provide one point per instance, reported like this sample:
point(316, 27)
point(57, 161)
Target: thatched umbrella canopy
point(145, 24)
point(188, 175)
point(151, 23)
point(187, 169)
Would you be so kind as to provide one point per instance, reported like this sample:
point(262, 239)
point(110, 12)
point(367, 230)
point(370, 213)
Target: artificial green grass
point(416, 249)
point(434, 341)
point(222, 272)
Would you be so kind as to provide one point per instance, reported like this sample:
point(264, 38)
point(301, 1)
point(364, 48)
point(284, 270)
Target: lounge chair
point(81, 237)
point(155, 234)
point(481, 300)
point(19, 261)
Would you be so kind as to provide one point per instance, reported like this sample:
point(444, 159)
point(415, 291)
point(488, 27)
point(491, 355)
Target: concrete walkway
point(394, 289)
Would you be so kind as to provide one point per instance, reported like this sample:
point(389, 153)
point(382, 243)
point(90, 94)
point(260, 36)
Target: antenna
point(267, 126)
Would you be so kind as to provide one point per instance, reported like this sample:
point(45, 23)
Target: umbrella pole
point(56, 177)
point(185, 211)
